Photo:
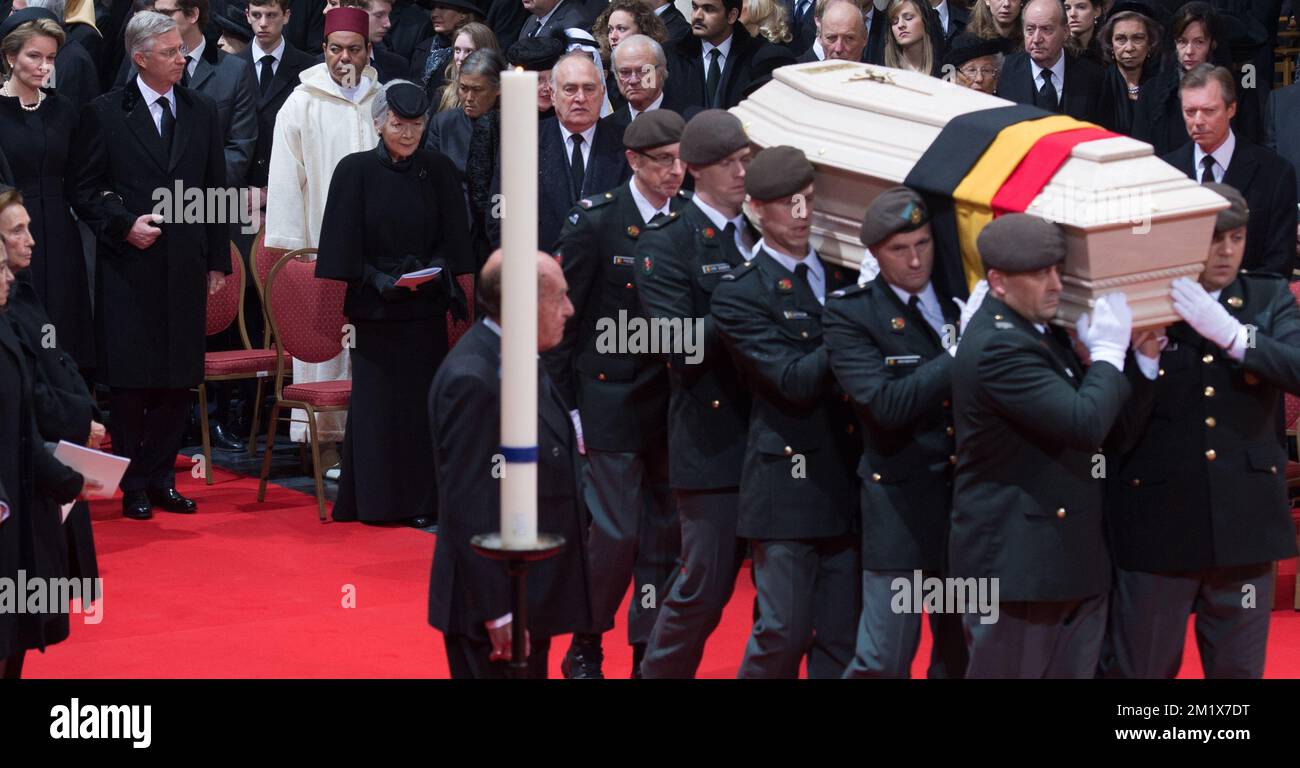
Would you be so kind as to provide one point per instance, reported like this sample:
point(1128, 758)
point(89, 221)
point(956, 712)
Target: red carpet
point(257, 590)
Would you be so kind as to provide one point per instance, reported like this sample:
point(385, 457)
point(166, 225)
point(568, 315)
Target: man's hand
point(1148, 343)
point(143, 232)
point(97, 434)
point(576, 418)
point(216, 281)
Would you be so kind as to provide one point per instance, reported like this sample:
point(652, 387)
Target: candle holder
point(517, 560)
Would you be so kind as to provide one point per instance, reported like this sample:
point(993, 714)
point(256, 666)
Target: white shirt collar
point(818, 50)
point(930, 308)
point(352, 93)
point(660, 10)
point(151, 96)
point(258, 53)
point(196, 54)
point(719, 220)
point(541, 22)
point(492, 325)
point(643, 205)
point(1058, 75)
point(725, 48)
point(816, 275)
point(1222, 156)
point(656, 104)
point(565, 133)
point(871, 15)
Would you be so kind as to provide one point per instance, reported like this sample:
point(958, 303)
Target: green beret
point(897, 209)
point(1237, 213)
point(711, 136)
point(656, 128)
point(1019, 242)
point(777, 172)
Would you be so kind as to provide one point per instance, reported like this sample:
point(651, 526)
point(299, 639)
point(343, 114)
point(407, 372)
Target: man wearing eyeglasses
point(640, 69)
point(620, 395)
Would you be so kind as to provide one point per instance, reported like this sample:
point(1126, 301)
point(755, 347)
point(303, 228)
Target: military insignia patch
point(624, 261)
point(1251, 379)
point(897, 323)
point(647, 265)
point(1234, 302)
point(633, 231)
point(709, 233)
point(1002, 325)
point(785, 284)
point(573, 218)
point(914, 215)
point(585, 203)
point(838, 294)
point(713, 269)
point(795, 314)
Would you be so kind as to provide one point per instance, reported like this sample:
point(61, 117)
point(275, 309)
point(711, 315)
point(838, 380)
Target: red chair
point(455, 328)
point(225, 307)
point(1292, 405)
point(263, 259)
point(306, 317)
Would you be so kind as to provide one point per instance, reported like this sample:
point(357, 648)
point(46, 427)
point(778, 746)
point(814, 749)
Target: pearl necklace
point(40, 97)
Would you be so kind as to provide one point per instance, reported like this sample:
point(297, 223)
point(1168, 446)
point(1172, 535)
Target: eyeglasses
point(979, 73)
point(661, 161)
point(630, 74)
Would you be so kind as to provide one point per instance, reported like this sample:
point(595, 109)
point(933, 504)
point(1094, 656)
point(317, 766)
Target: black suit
point(877, 34)
point(621, 117)
point(802, 34)
point(1268, 183)
point(687, 73)
point(283, 81)
point(306, 27)
point(466, 589)
point(1082, 89)
point(389, 65)
point(1282, 126)
point(569, 13)
point(958, 19)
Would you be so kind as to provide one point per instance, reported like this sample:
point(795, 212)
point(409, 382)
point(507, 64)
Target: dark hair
point(733, 5)
point(202, 5)
point(1202, 75)
point(647, 23)
point(284, 4)
point(1108, 32)
point(1194, 12)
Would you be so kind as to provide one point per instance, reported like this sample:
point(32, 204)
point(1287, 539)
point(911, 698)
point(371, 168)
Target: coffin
point(1133, 222)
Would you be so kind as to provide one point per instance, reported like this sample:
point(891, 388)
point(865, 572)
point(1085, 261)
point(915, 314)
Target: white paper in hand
point(418, 277)
point(105, 468)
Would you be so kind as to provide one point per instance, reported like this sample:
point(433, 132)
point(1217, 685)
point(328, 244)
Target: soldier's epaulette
point(684, 194)
point(595, 201)
point(670, 218)
point(852, 290)
point(739, 271)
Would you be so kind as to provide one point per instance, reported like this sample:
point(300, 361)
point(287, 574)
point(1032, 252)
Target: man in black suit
point(577, 156)
point(679, 263)
point(470, 595)
point(1282, 126)
point(841, 33)
point(713, 68)
point(1216, 153)
point(891, 344)
point(797, 489)
point(552, 17)
point(1027, 505)
point(678, 27)
point(1045, 74)
point(276, 65)
point(620, 393)
point(803, 29)
point(952, 19)
point(640, 69)
point(1210, 467)
point(388, 64)
point(305, 29)
point(153, 275)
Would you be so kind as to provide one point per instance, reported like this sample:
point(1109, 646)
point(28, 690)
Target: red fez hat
point(347, 19)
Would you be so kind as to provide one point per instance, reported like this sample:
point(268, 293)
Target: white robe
point(314, 130)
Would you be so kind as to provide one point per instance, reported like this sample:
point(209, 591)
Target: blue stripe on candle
point(525, 455)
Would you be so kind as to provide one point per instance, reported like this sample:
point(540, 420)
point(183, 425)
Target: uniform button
point(844, 397)
point(803, 334)
point(1207, 359)
point(1209, 391)
point(1210, 422)
point(875, 477)
point(715, 404)
point(1160, 372)
point(789, 451)
point(1135, 482)
point(629, 285)
point(997, 317)
point(950, 431)
point(849, 429)
point(555, 451)
point(1061, 513)
point(1273, 469)
point(1210, 454)
point(600, 376)
point(952, 460)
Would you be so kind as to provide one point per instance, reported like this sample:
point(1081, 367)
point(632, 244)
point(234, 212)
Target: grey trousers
point(1148, 621)
point(1037, 640)
point(808, 601)
point(887, 640)
point(634, 537)
point(711, 558)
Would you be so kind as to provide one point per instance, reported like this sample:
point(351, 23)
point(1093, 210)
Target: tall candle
point(519, 308)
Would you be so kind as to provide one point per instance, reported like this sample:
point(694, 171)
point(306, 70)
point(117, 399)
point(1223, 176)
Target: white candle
point(519, 308)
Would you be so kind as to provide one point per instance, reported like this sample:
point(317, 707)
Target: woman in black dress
point(394, 209)
point(1084, 20)
point(1130, 41)
point(36, 129)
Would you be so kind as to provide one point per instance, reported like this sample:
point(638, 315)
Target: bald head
point(842, 32)
point(553, 307)
point(1045, 28)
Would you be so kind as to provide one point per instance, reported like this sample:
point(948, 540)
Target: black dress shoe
point(422, 521)
point(223, 439)
point(584, 659)
point(135, 505)
point(638, 655)
point(170, 500)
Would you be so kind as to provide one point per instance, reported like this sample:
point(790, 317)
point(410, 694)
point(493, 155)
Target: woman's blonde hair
point(483, 37)
point(769, 18)
point(983, 25)
point(25, 33)
point(894, 56)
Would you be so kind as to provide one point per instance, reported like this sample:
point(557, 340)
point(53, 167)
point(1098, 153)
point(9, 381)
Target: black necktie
point(185, 73)
point(577, 170)
point(713, 78)
point(266, 75)
point(1047, 94)
point(167, 126)
point(802, 283)
point(914, 308)
point(1207, 170)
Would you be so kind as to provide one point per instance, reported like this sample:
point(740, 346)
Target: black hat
point(19, 18)
point(777, 172)
point(1020, 242)
point(1235, 215)
point(464, 6)
point(897, 209)
point(535, 54)
point(406, 100)
point(967, 46)
point(712, 135)
point(656, 128)
point(1156, 13)
point(233, 23)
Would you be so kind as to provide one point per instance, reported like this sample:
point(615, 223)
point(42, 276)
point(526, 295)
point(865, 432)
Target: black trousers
point(468, 658)
point(147, 427)
point(11, 667)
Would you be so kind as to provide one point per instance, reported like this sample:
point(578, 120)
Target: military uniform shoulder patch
point(739, 271)
point(662, 221)
point(852, 290)
point(589, 203)
point(1003, 325)
point(633, 231)
point(648, 265)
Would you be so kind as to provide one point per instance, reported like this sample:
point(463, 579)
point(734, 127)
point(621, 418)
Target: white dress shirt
point(541, 21)
point(721, 221)
point(816, 275)
point(194, 56)
point(942, 10)
point(724, 51)
point(587, 136)
point(259, 54)
point(1058, 76)
point(646, 208)
point(151, 98)
point(929, 305)
point(1222, 156)
point(818, 50)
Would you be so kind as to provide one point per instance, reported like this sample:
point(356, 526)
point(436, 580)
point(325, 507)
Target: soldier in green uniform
point(891, 344)
point(679, 263)
point(1198, 509)
point(798, 490)
point(619, 391)
point(1031, 423)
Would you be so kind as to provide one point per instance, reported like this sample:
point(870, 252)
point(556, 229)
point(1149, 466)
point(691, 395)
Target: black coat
point(898, 376)
point(411, 24)
point(305, 29)
point(679, 263)
point(465, 588)
point(958, 19)
point(40, 146)
point(1027, 508)
point(1282, 126)
point(150, 305)
point(679, 27)
point(622, 396)
point(1083, 81)
point(77, 76)
point(383, 219)
point(506, 18)
point(451, 132)
point(773, 331)
point(621, 117)
point(802, 35)
point(420, 59)
point(1158, 114)
point(388, 65)
point(569, 13)
point(1173, 508)
point(285, 79)
point(687, 72)
point(1268, 183)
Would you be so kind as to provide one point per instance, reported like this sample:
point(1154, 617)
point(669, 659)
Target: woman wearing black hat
point(432, 54)
point(36, 129)
point(976, 62)
point(392, 210)
point(1130, 41)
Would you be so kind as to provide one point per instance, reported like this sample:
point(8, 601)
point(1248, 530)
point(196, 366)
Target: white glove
point(1206, 316)
point(971, 305)
point(577, 429)
point(869, 269)
point(1107, 331)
